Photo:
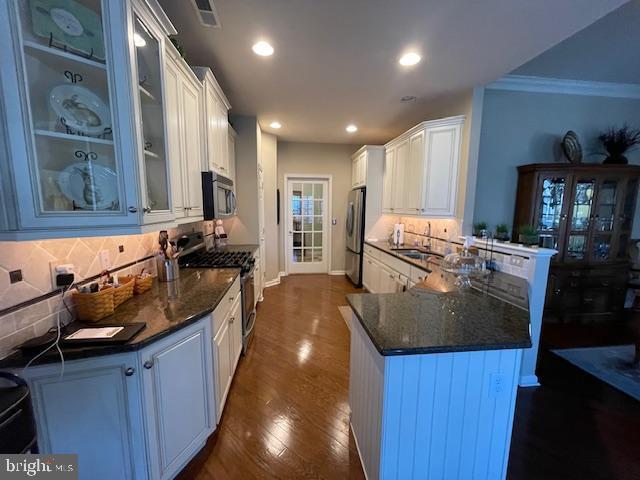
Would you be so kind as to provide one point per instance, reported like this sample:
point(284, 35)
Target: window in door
point(308, 226)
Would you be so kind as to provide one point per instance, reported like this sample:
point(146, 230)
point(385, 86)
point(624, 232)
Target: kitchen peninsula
point(433, 377)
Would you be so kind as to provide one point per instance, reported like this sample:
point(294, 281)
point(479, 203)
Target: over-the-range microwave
point(218, 198)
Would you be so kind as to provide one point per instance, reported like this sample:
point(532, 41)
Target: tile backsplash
point(33, 259)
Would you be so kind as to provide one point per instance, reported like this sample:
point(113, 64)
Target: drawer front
point(396, 264)
point(222, 310)
point(417, 275)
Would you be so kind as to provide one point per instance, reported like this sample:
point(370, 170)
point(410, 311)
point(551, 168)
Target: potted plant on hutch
point(527, 235)
point(617, 142)
point(502, 232)
point(480, 229)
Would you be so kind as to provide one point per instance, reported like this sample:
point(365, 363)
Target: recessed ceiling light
point(408, 98)
point(275, 125)
point(263, 49)
point(351, 128)
point(409, 58)
point(138, 41)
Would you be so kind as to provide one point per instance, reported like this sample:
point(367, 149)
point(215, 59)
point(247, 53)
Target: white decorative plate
point(80, 108)
point(90, 185)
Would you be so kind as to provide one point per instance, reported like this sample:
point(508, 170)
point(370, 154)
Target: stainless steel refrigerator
point(355, 235)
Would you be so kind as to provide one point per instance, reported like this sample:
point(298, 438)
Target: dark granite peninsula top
point(166, 308)
point(239, 248)
point(436, 317)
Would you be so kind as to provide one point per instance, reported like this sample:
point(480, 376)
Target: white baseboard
point(337, 272)
point(529, 381)
point(272, 283)
point(282, 274)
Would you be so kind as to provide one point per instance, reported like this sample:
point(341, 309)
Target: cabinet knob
point(231, 320)
point(132, 209)
point(129, 371)
point(417, 209)
point(146, 209)
point(231, 299)
point(148, 364)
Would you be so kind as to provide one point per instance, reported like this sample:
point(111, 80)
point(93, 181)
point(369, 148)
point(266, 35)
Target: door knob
point(132, 209)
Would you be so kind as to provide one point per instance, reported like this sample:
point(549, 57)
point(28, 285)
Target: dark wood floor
point(287, 414)
point(287, 411)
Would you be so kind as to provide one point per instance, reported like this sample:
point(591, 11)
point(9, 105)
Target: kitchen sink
point(419, 255)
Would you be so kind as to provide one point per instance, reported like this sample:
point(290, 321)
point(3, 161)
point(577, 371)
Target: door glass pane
point(551, 203)
point(307, 191)
point(307, 255)
point(605, 213)
point(307, 224)
point(317, 255)
point(601, 247)
point(317, 190)
point(308, 240)
point(67, 85)
point(318, 207)
point(629, 205)
point(297, 224)
point(317, 239)
point(296, 255)
point(577, 246)
point(582, 204)
point(150, 93)
point(296, 199)
point(317, 224)
point(297, 239)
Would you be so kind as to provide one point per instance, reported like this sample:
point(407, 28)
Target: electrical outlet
point(60, 265)
point(105, 261)
point(516, 260)
point(121, 248)
point(496, 384)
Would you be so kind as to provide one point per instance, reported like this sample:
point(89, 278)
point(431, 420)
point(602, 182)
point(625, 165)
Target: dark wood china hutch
point(584, 211)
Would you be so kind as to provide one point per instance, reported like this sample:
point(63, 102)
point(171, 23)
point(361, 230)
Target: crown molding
point(523, 83)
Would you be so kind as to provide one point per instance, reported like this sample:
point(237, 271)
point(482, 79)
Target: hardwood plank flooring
point(287, 414)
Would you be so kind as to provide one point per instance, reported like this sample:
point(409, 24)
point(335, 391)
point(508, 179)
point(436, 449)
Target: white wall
point(269, 157)
point(321, 159)
point(523, 127)
point(243, 229)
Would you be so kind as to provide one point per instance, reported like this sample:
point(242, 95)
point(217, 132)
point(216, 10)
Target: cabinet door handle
point(129, 371)
point(132, 209)
point(148, 364)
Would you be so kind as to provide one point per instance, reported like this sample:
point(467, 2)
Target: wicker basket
point(141, 284)
point(91, 307)
point(123, 292)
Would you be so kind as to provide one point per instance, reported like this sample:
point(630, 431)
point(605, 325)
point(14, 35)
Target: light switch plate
point(496, 384)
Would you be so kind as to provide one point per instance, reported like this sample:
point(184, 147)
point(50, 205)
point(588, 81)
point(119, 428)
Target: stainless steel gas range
point(200, 257)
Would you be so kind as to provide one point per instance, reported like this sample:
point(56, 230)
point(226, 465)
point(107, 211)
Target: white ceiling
point(335, 61)
point(606, 51)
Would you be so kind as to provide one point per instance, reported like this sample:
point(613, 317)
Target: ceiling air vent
point(206, 11)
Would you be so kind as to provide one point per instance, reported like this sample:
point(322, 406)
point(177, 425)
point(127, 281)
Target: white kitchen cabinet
point(94, 411)
point(359, 169)
point(371, 274)
point(226, 343)
point(183, 99)
point(421, 169)
point(177, 379)
point(215, 124)
point(224, 371)
point(109, 173)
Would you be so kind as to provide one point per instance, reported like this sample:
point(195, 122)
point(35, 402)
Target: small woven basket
point(141, 284)
point(123, 292)
point(91, 307)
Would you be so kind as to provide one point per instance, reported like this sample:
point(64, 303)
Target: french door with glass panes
point(308, 225)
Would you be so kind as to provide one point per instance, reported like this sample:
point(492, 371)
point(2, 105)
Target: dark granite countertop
point(435, 316)
point(423, 264)
point(166, 308)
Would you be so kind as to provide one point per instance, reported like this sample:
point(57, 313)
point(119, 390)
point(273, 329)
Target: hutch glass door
point(150, 90)
point(626, 218)
point(605, 219)
point(580, 219)
point(552, 210)
point(75, 168)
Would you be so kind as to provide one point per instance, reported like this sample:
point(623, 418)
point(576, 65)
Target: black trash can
point(17, 423)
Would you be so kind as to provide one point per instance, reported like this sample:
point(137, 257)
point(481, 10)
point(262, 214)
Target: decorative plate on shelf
point(68, 24)
point(90, 185)
point(80, 109)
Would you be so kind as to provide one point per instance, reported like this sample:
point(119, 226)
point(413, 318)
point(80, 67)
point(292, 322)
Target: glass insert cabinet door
point(552, 210)
point(605, 219)
point(74, 162)
point(580, 218)
point(308, 228)
point(150, 92)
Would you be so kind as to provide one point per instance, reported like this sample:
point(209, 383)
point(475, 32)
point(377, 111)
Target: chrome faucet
point(427, 232)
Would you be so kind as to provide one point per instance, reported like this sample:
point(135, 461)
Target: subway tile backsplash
point(33, 259)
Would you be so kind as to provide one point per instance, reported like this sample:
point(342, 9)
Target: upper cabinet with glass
point(86, 145)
